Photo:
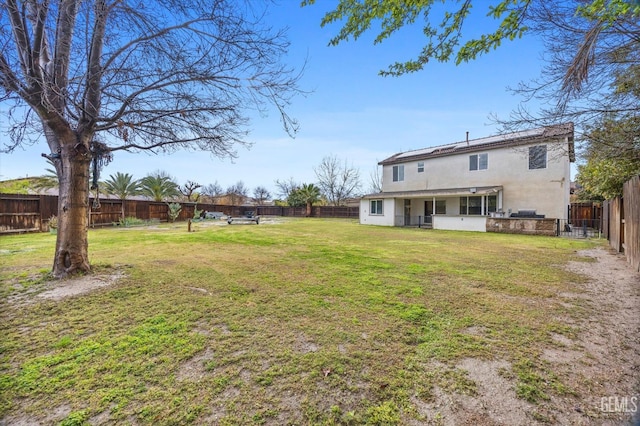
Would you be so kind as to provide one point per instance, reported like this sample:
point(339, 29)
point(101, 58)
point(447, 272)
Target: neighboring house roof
point(473, 190)
point(559, 131)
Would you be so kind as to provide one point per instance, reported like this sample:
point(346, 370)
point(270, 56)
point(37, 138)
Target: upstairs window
point(479, 162)
point(398, 173)
point(537, 157)
point(421, 167)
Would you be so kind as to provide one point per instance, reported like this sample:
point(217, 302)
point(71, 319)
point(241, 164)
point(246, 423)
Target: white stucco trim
point(460, 223)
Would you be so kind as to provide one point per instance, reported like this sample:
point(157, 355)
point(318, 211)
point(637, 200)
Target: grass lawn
point(302, 322)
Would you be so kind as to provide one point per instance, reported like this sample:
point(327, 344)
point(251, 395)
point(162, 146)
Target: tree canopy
point(97, 77)
point(611, 157)
point(306, 195)
point(337, 180)
point(159, 186)
point(158, 75)
point(261, 195)
point(122, 185)
point(443, 24)
point(591, 46)
point(591, 64)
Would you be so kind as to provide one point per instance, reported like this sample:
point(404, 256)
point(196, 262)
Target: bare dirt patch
point(195, 368)
point(53, 417)
point(603, 361)
point(79, 285)
point(494, 402)
point(69, 287)
point(600, 364)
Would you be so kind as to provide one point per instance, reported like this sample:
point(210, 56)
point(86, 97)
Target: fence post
point(40, 211)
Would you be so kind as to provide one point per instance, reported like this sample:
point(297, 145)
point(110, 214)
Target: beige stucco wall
point(544, 190)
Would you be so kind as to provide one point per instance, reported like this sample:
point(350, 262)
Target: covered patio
point(435, 208)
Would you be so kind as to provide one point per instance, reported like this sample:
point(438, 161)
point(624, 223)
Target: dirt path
point(601, 363)
point(604, 360)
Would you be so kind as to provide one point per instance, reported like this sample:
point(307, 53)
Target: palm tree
point(48, 181)
point(309, 193)
point(159, 186)
point(122, 186)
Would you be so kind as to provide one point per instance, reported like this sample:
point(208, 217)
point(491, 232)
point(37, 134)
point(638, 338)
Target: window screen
point(398, 173)
point(376, 207)
point(538, 157)
point(478, 161)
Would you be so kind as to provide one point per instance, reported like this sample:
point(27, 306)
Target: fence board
point(20, 214)
point(606, 209)
point(631, 197)
point(158, 211)
point(615, 224)
point(108, 212)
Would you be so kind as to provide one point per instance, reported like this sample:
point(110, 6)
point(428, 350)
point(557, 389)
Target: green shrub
point(53, 222)
point(174, 211)
point(196, 212)
point(131, 221)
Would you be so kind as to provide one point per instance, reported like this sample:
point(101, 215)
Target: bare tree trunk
point(72, 248)
point(308, 209)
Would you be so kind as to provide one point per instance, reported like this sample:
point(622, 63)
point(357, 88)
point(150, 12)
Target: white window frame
point(479, 162)
point(421, 167)
point(532, 150)
point(398, 173)
point(378, 210)
point(485, 208)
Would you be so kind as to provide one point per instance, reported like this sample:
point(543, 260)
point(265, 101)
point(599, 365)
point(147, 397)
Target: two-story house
point(456, 186)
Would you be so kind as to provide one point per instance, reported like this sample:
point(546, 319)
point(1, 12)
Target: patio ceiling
point(429, 193)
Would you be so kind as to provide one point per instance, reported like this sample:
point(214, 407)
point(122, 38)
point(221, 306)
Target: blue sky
point(351, 112)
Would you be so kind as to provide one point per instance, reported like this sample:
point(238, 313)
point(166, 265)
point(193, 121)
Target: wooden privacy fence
point(31, 213)
point(587, 212)
point(621, 220)
point(26, 213)
point(316, 211)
